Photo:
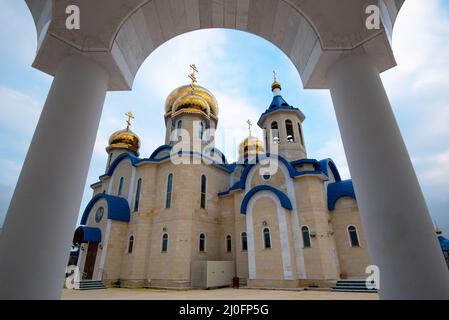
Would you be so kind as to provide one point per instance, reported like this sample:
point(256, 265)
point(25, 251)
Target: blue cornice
point(161, 148)
point(323, 166)
point(85, 234)
point(285, 201)
point(118, 208)
point(338, 190)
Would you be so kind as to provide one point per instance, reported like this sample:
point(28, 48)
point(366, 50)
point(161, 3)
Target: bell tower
point(282, 124)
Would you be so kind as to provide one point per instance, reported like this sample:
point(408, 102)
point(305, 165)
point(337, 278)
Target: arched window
point(130, 244)
point(244, 241)
point(164, 242)
point(137, 197)
point(109, 161)
point(353, 237)
point(169, 191)
point(301, 136)
point(203, 191)
point(202, 245)
point(289, 129)
point(120, 186)
point(275, 132)
point(201, 130)
point(306, 237)
point(228, 243)
point(266, 238)
point(179, 124)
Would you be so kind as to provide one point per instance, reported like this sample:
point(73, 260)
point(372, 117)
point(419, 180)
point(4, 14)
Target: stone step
point(90, 285)
point(354, 290)
point(355, 285)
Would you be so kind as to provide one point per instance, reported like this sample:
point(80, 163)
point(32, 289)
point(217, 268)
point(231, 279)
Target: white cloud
point(334, 149)
point(168, 66)
point(18, 32)
point(18, 112)
point(421, 48)
point(434, 172)
point(232, 127)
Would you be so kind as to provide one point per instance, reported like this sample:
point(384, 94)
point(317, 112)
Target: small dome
point(192, 103)
point(125, 139)
point(276, 85)
point(438, 231)
point(187, 95)
point(251, 146)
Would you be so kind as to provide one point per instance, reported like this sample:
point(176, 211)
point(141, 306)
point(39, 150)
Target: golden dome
point(276, 85)
point(191, 102)
point(125, 139)
point(186, 93)
point(251, 146)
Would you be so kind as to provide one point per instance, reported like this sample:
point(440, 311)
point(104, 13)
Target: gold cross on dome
point(130, 116)
point(192, 76)
point(249, 126)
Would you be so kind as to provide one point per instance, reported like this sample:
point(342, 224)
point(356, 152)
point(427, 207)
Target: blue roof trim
point(289, 165)
point(314, 162)
point(291, 170)
point(215, 149)
point(89, 234)
point(323, 166)
point(337, 190)
point(118, 208)
point(278, 103)
point(285, 201)
point(158, 150)
point(444, 243)
point(134, 160)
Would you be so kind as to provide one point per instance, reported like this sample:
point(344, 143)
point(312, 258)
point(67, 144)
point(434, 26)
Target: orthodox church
point(155, 221)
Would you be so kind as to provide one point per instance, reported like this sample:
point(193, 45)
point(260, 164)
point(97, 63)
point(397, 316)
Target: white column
point(42, 215)
point(400, 235)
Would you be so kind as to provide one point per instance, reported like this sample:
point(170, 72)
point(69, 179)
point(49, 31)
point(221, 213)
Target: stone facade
point(287, 229)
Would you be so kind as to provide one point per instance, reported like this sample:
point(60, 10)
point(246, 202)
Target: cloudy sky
point(237, 68)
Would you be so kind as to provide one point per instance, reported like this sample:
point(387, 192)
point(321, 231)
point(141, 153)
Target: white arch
point(297, 236)
point(285, 247)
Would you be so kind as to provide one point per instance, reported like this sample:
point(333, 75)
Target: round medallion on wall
point(99, 214)
point(266, 176)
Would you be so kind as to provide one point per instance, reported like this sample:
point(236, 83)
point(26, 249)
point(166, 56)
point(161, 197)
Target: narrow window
point(164, 243)
point(275, 132)
point(201, 130)
point(228, 243)
point(244, 241)
point(202, 242)
point(266, 238)
point(179, 124)
point(289, 129)
point(109, 161)
point(120, 186)
point(301, 136)
point(137, 198)
point(306, 237)
point(353, 237)
point(203, 191)
point(130, 244)
point(169, 191)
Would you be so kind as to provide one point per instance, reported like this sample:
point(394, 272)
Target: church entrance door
point(89, 265)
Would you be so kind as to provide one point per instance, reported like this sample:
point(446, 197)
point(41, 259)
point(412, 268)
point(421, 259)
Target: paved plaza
point(216, 294)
